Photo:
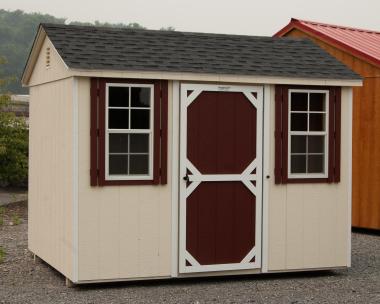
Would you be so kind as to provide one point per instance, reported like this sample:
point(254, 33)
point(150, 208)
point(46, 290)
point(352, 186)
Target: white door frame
point(196, 177)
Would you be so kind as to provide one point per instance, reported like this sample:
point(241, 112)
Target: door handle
point(186, 178)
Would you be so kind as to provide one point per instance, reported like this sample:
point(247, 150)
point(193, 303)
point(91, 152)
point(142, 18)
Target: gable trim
point(34, 53)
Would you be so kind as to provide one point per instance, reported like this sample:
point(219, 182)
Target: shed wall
point(366, 127)
point(50, 174)
point(309, 224)
point(124, 231)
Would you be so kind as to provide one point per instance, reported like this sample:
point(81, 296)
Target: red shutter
point(285, 118)
point(278, 135)
point(94, 132)
point(102, 131)
point(334, 134)
point(156, 133)
point(164, 132)
point(337, 115)
point(97, 132)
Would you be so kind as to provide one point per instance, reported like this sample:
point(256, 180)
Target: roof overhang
point(226, 78)
point(181, 76)
point(298, 24)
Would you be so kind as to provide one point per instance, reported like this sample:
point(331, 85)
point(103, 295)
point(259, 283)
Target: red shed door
point(221, 177)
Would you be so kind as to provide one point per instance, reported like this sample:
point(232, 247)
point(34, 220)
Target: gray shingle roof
point(86, 47)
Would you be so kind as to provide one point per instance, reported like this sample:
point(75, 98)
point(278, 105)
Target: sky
point(248, 17)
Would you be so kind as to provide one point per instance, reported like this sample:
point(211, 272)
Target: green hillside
point(17, 31)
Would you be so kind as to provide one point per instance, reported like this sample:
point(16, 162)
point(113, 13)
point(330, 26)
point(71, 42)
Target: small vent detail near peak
point(48, 57)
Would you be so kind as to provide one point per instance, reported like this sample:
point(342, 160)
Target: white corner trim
point(175, 176)
point(349, 155)
point(75, 179)
point(266, 172)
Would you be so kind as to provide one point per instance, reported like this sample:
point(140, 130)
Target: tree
point(13, 140)
point(168, 28)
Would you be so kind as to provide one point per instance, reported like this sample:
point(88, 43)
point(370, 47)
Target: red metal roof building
point(360, 50)
point(363, 43)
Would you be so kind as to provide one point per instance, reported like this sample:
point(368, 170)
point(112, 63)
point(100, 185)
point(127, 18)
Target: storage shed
point(162, 154)
point(360, 50)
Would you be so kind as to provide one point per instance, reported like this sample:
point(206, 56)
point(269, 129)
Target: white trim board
point(175, 177)
point(215, 78)
point(75, 180)
point(349, 155)
point(199, 77)
point(266, 178)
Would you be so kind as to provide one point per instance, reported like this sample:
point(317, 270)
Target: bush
point(13, 143)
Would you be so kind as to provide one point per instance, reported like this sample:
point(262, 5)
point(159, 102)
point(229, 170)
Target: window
point(307, 135)
point(129, 136)
point(128, 132)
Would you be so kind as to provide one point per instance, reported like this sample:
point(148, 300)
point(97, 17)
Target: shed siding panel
point(366, 127)
point(50, 174)
point(294, 227)
point(57, 70)
point(124, 231)
point(309, 223)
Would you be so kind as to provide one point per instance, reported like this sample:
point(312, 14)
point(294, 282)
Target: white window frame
point(149, 176)
point(324, 133)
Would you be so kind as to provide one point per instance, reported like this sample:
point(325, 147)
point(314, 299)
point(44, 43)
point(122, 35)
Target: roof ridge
point(94, 27)
point(336, 26)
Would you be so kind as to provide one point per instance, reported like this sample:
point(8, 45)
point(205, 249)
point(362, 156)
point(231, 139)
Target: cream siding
point(51, 174)
point(56, 70)
point(124, 231)
point(309, 224)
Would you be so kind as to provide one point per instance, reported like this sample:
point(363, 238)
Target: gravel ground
point(23, 281)
point(8, 196)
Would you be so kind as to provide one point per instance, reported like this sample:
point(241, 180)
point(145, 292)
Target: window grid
point(129, 131)
point(308, 134)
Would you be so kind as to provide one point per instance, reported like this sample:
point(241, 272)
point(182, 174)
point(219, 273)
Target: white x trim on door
point(247, 177)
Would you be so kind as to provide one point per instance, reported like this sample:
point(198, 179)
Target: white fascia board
point(216, 77)
point(33, 56)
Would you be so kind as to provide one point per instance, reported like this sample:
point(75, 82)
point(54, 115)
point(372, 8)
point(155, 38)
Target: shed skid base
point(36, 258)
point(255, 275)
